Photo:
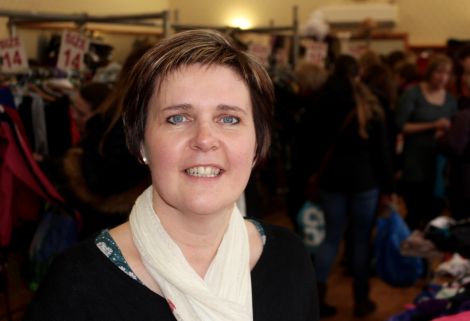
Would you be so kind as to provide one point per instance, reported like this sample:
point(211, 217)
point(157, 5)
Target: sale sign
point(72, 50)
point(258, 45)
point(13, 55)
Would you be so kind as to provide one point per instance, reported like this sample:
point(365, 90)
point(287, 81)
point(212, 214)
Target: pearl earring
point(144, 155)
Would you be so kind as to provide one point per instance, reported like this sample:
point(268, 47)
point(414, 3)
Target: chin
point(208, 207)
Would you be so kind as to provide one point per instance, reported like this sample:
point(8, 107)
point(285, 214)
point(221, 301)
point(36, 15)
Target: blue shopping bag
point(391, 266)
point(311, 222)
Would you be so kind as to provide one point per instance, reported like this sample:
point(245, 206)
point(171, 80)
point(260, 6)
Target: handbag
point(312, 187)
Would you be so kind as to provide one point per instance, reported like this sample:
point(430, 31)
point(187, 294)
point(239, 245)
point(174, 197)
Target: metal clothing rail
point(22, 18)
point(294, 28)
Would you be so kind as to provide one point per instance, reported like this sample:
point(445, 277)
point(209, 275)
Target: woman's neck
point(198, 236)
point(432, 89)
point(434, 95)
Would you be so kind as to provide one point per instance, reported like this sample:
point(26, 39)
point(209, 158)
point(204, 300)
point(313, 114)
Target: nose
point(205, 137)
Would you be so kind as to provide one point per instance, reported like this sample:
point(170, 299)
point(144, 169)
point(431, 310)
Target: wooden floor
point(389, 300)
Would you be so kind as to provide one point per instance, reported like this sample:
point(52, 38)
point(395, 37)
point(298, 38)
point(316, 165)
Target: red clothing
point(23, 185)
point(463, 316)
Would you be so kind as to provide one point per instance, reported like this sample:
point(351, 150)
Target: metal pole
point(296, 44)
point(166, 23)
point(11, 28)
point(176, 16)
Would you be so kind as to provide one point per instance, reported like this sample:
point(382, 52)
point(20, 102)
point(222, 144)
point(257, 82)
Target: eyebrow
point(221, 107)
point(231, 108)
point(177, 107)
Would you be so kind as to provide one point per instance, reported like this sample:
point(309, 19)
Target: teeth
point(202, 171)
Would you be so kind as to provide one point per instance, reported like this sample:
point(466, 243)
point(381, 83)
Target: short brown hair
point(435, 62)
point(204, 47)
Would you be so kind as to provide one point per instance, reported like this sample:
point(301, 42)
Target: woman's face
point(200, 139)
point(441, 76)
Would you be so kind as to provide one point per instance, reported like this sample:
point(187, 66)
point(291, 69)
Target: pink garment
point(22, 182)
point(463, 316)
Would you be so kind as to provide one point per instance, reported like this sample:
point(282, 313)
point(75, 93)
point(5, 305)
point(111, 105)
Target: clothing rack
point(50, 20)
point(271, 29)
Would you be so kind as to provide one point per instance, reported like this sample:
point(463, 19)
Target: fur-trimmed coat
point(103, 182)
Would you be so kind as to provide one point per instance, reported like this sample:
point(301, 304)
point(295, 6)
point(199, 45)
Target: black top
point(83, 284)
point(456, 145)
point(357, 164)
point(420, 149)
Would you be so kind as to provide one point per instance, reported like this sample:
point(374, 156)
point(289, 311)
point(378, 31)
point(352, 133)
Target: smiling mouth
point(203, 171)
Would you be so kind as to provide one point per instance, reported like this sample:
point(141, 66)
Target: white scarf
point(225, 292)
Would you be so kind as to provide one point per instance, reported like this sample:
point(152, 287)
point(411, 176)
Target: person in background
point(101, 178)
point(395, 57)
point(379, 79)
point(86, 101)
point(367, 60)
point(455, 143)
point(197, 112)
point(310, 78)
point(359, 171)
point(422, 112)
point(406, 76)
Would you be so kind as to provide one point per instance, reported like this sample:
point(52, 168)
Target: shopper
point(379, 79)
point(358, 171)
point(455, 143)
point(422, 112)
point(197, 112)
point(311, 78)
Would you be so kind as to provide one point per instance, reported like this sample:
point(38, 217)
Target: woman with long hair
point(359, 171)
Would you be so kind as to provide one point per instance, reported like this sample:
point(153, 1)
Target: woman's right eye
point(176, 119)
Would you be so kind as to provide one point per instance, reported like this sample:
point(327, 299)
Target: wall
point(434, 21)
point(428, 22)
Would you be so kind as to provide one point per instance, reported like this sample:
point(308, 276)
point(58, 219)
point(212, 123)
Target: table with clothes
point(447, 296)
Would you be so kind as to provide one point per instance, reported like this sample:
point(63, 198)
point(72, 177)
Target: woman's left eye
point(229, 120)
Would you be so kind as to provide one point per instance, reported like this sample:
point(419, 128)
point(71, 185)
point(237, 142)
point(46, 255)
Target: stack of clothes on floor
point(447, 296)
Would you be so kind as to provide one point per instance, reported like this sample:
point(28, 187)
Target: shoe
point(327, 310)
point(364, 308)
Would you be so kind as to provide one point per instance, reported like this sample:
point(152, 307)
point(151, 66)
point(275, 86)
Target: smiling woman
point(197, 112)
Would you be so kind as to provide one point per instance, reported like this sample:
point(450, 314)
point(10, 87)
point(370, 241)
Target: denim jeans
point(357, 209)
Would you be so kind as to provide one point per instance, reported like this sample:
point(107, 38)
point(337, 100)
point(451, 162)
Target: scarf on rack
point(224, 294)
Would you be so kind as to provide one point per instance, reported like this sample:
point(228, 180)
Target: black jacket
point(357, 164)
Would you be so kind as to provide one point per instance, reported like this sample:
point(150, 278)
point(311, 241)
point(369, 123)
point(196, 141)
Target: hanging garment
point(6, 97)
point(22, 182)
point(58, 126)
point(33, 117)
